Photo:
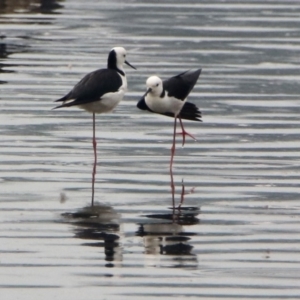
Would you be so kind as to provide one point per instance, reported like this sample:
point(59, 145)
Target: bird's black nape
point(112, 60)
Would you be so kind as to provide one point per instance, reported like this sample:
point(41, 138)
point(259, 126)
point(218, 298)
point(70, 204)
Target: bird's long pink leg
point(171, 165)
point(173, 146)
point(95, 158)
point(184, 133)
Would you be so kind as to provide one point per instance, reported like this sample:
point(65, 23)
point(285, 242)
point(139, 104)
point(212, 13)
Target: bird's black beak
point(147, 92)
point(128, 64)
point(142, 103)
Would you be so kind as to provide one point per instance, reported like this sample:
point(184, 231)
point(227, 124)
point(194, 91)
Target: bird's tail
point(191, 112)
point(59, 106)
point(64, 100)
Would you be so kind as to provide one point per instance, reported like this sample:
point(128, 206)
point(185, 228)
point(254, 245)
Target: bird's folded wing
point(92, 87)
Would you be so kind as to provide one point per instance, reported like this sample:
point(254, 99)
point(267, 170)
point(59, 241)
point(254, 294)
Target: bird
point(100, 92)
point(169, 98)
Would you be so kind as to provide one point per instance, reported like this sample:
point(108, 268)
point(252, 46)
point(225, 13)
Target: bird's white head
point(117, 58)
point(120, 53)
point(154, 86)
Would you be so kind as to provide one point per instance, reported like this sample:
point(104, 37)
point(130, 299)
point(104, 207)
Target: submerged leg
point(95, 159)
point(183, 193)
point(172, 190)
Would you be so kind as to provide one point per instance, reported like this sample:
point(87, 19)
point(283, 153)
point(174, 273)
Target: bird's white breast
point(164, 105)
point(108, 101)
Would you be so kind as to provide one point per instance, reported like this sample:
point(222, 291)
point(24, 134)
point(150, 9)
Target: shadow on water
point(165, 233)
point(5, 51)
point(162, 233)
point(29, 6)
point(99, 223)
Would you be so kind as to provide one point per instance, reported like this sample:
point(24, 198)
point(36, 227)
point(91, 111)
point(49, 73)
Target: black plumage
point(92, 87)
point(189, 111)
point(181, 85)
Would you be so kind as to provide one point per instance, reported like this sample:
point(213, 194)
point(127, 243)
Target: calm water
point(238, 234)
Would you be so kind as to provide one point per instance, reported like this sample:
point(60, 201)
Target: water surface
point(237, 235)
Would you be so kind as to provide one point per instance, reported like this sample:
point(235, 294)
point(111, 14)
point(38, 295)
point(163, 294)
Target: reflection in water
point(100, 224)
point(4, 53)
point(183, 192)
point(184, 216)
point(3, 49)
point(33, 6)
point(167, 237)
point(8, 49)
point(47, 6)
point(95, 159)
point(10, 44)
point(163, 235)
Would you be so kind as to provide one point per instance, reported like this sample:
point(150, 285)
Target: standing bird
point(100, 92)
point(169, 97)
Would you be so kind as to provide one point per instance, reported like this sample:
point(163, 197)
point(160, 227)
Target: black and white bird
point(100, 91)
point(169, 97)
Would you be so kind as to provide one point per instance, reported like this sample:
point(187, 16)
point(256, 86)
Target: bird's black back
point(181, 85)
point(93, 86)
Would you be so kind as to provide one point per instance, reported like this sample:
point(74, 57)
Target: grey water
point(237, 235)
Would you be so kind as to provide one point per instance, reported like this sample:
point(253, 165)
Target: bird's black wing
point(189, 111)
point(92, 87)
point(142, 105)
point(181, 85)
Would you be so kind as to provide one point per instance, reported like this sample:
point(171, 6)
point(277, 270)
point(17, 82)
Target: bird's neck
point(157, 93)
point(120, 70)
point(114, 66)
point(124, 81)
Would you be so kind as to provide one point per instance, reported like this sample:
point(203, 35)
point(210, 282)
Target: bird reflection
point(5, 51)
point(49, 6)
point(99, 224)
point(167, 239)
point(183, 192)
point(36, 6)
point(165, 234)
